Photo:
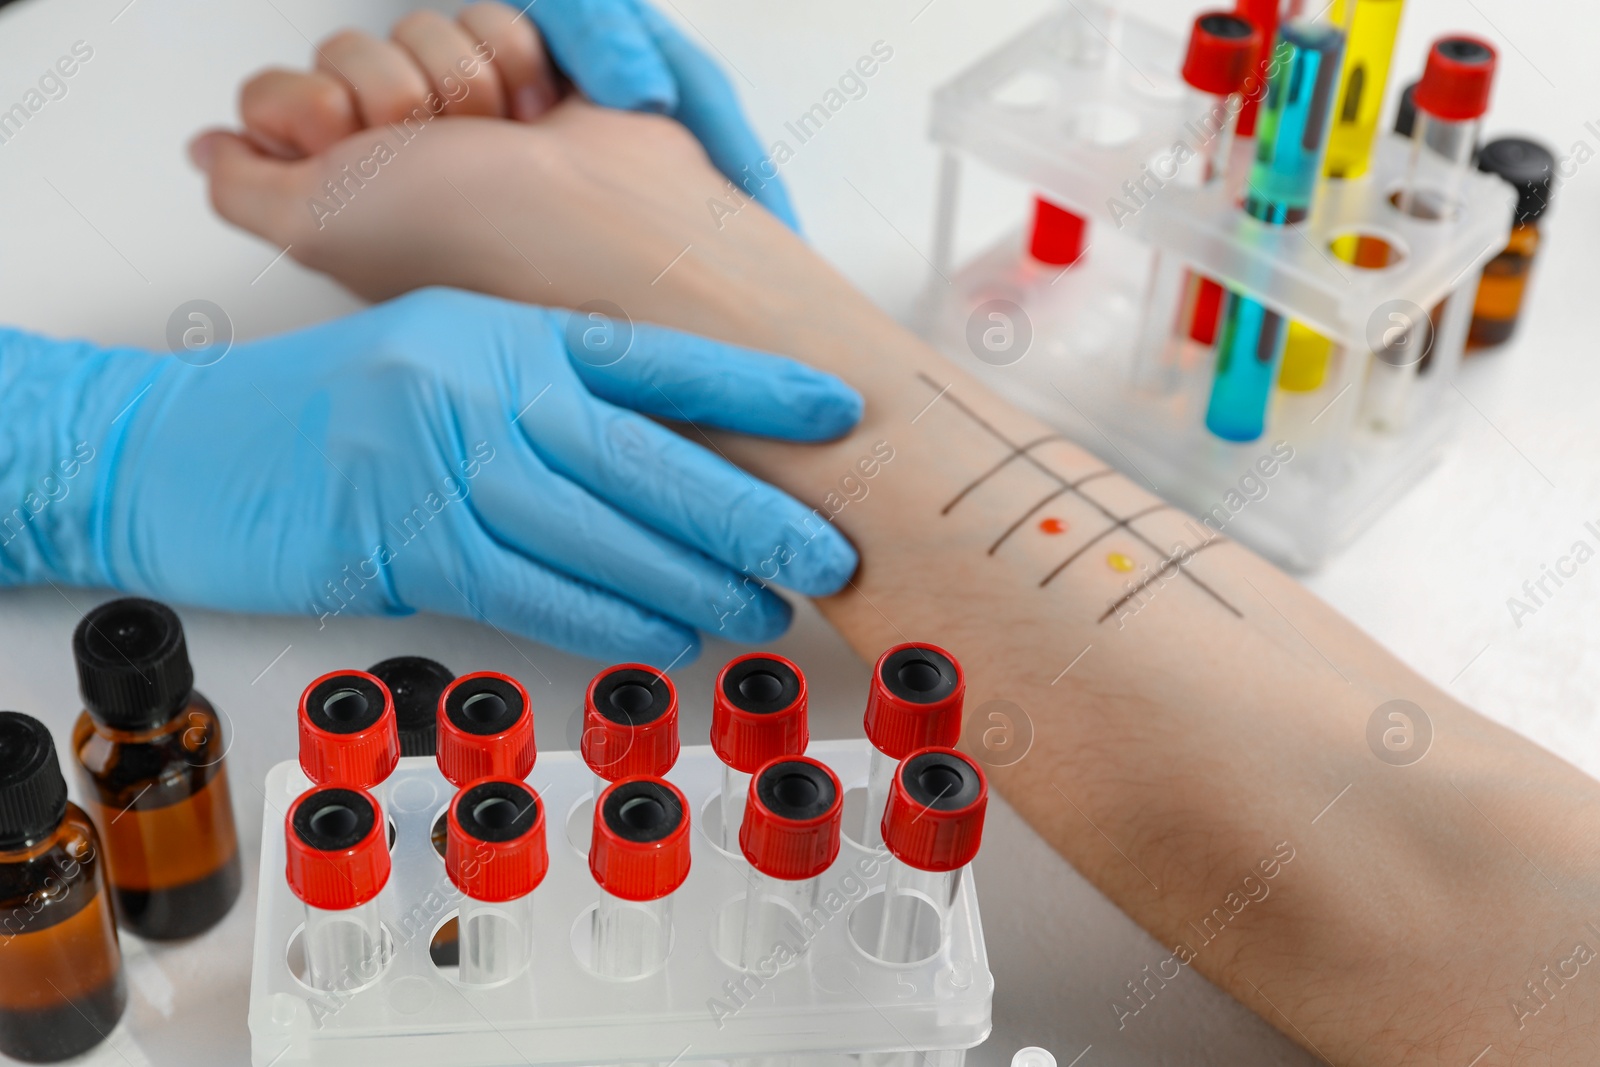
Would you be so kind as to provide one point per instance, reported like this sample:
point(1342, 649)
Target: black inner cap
point(344, 704)
point(415, 683)
point(940, 781)
point(33, 794)
point(919, 675)
point(1222, 24)
point(642, 811)
point(332, 820)
point(1464, 50)
point(133, 663)
point(497, 811)
point(629, 696)
point(484, 706)
point(795, 789)
point(1529, 166)
point(761, 686)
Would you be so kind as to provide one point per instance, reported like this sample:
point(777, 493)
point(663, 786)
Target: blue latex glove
point(625, 54)
point(446, 452)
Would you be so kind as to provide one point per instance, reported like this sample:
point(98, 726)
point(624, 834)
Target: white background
point(106, 230)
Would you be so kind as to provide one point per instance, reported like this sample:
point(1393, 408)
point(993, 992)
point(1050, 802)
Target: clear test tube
point(1283, 182)
point(496, 856)
point(338, 862)
point(1450, 102)
point(639, 856)
point(630, 724)
point(932, 827)
point(348, 732)
point(790, 835)
point(758, 713)
point(1222, 52)
point(915, 701)
point(485, 729)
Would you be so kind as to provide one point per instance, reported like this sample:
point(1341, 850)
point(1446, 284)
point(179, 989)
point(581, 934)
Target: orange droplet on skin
point(1052, 526)
point(1119, 562)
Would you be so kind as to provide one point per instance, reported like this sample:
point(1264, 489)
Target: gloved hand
point(445, 452)
point(625, 54)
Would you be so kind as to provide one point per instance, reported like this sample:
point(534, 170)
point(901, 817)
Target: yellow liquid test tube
point(1370, 30)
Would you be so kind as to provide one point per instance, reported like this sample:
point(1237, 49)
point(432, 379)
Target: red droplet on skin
point(1052, 526)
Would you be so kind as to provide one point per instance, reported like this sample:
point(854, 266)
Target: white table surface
point(106, 231)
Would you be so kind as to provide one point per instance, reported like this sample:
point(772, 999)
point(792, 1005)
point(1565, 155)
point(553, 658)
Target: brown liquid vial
point(150, 756)
point(61, 984)
point(1530, 169)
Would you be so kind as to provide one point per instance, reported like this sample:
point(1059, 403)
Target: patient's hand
point(448, 156)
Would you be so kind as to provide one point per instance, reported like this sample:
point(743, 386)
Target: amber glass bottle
point(150, 753)
point(61, 987)
point(1530, 168)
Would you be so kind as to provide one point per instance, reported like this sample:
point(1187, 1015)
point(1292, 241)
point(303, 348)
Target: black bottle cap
point(1405, 119)
point(415, 683)
point(133, 664)
point(33, 795)
point(1530, 167)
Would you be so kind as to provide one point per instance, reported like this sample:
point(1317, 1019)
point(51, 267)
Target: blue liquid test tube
point(1290, 140)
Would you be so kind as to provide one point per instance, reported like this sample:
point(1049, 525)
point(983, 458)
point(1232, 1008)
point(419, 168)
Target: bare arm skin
point(1201, 742)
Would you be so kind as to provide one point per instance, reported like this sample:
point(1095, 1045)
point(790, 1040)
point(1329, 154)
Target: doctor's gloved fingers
point(497, 586)
point(293, 114)
point(527, 75)
point(686, 378)
point(538, 513)
point(606, 51)
point(709, 107)
point(695, 497)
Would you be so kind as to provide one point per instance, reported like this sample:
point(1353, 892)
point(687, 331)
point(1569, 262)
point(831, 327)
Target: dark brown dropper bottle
point(61, 985)
point(150, 755)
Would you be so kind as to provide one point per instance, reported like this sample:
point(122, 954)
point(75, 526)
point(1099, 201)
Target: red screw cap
point(348, 734)
point(494, 847)
point(758, 711)
point(1057, 234)
point(792, 818)
point(1222, 49)
point(640, 849)
point(1455, 83)
point(338, 846)
point(485, 729)
point(915, 700)
point(934, 818)
point(630, 723)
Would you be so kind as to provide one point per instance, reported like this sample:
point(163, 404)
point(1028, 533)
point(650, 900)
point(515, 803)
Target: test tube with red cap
point(932, 827)
point(914, 702)
point(758, 713)
point(338, 862)
point(348, 733)
point(790, 835)
point(1450, 102)
point(1219, 62)
point(485, 729)
point(630, 724)
point(639, 856)
point(496, 855)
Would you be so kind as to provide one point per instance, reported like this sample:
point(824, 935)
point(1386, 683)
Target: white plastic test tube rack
point(833, 1002)
point(1086, 106)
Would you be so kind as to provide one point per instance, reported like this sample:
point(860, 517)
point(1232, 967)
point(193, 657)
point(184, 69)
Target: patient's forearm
point(1200, 746)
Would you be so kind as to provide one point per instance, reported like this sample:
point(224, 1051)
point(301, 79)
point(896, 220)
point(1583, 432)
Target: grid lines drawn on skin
point(1092, 524)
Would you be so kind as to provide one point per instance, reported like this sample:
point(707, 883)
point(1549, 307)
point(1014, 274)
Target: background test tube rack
point(1089, 98)
point(837, 1005)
